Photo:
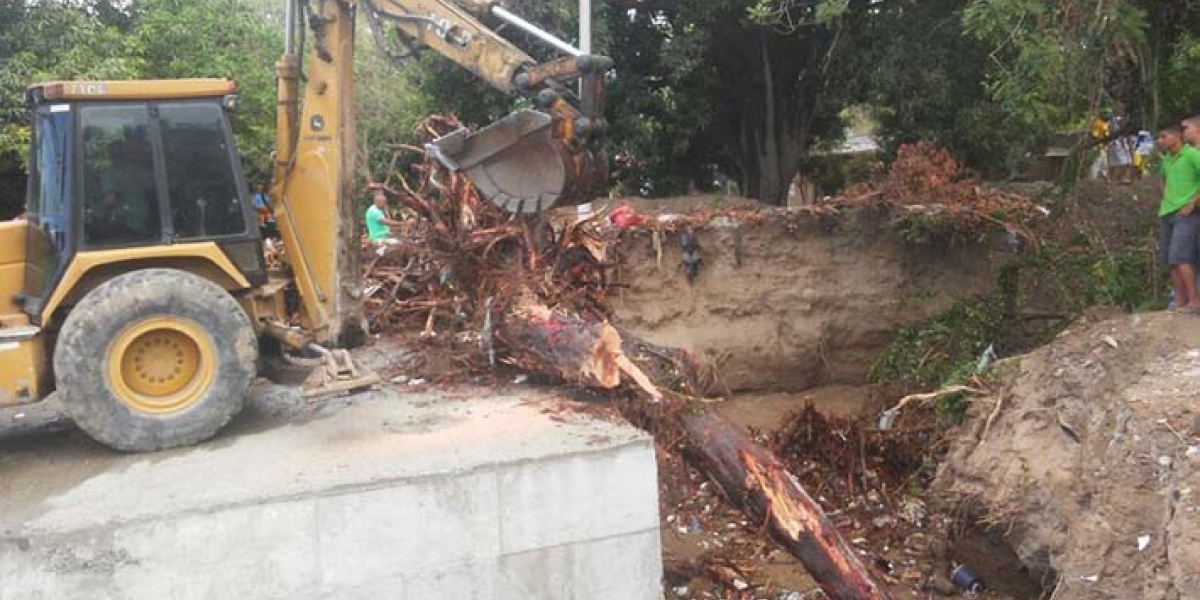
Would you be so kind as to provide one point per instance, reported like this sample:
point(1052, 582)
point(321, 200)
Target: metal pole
point(534, 30)
point(585, 26)
point(289, 27)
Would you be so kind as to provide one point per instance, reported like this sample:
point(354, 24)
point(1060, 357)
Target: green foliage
point(1078, 274)
point(945, 349)
point(923, 77)
point(51, 40)
point(99, 39)
point(1053, 65)
point(216, 38)
point(1181, 76)
point(794, 15)
point(1083, 273)
point(1052, 56)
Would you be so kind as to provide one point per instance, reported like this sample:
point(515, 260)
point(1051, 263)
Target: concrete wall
point(568, 513)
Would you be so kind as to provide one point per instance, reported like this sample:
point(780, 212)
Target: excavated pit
point(986, 551)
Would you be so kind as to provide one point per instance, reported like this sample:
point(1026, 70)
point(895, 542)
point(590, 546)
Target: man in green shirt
point(1191, 130)
point(1180, 220)
point(379, 224)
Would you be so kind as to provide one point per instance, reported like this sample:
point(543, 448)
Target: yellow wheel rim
point(161, 365)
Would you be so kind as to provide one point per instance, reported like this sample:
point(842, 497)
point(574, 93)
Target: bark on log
point(594, 355)
point(757, 481)
point(554, 343)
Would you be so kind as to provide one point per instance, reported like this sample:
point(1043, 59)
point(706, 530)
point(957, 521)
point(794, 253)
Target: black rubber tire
point(81, 358)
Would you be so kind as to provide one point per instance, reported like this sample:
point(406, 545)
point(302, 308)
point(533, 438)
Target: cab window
point(47, 203)
point(120, 195)
point(200, 172)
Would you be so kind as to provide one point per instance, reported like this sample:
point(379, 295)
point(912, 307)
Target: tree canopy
point(147, 39)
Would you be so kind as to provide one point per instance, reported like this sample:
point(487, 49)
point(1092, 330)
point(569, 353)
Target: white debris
point(887, 418)
point(1108, 339)
point(1165, 461)
point(681, 591)
point(1090, 578)
point(519, 379)
point(740, 585)
point(913, 511)
point(1143, 542)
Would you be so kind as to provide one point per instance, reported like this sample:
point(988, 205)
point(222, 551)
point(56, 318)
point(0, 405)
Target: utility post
point(585, 26)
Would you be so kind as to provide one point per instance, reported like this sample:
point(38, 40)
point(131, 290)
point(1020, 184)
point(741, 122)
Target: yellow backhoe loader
point(136, 289)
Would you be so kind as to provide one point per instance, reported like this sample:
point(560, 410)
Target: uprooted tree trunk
point(756, 480)
point(594, 354)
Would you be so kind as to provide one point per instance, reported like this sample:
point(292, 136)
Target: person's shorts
point(1179, 238)
point(382, 245)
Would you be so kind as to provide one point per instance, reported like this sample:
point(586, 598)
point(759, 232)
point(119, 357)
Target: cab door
point(48, 205)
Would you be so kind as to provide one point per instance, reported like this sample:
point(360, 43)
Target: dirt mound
point(1087, 460)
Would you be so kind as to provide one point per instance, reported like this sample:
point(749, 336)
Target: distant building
point(805, 189)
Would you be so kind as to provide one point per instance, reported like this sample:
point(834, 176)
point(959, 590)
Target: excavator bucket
point(519, 165)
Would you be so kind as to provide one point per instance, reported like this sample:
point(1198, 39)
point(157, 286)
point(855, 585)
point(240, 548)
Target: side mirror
point(231, 102)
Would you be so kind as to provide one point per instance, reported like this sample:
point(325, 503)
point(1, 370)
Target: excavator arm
point(526, 162)
point(533, 159)
point(453, 32)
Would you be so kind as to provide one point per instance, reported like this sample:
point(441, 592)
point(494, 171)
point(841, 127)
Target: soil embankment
point(797, 300)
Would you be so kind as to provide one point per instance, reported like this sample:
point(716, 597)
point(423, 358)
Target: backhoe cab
point(138, 234)
point(135, 289)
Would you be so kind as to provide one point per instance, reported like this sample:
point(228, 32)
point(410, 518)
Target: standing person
point(380, 223)
point(266, 219)
point(1180, 220)
point(1100, 129)
point(1191, 130)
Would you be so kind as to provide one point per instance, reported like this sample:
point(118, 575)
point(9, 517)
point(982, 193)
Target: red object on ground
point(625, 217)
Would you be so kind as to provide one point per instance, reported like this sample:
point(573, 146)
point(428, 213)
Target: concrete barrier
point(388, 497)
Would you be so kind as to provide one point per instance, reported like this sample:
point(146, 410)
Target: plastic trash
point(887, 419)
point(625, 217)
point(966, 579)
point(985, 360)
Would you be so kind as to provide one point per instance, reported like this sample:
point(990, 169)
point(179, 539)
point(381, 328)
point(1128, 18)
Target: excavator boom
point(533, 159)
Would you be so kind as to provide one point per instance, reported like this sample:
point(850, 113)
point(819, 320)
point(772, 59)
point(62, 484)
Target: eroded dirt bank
point(797, 300)
point(1090, 467)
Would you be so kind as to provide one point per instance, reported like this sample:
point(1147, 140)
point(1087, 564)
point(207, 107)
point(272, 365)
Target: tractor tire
point(155, 359)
